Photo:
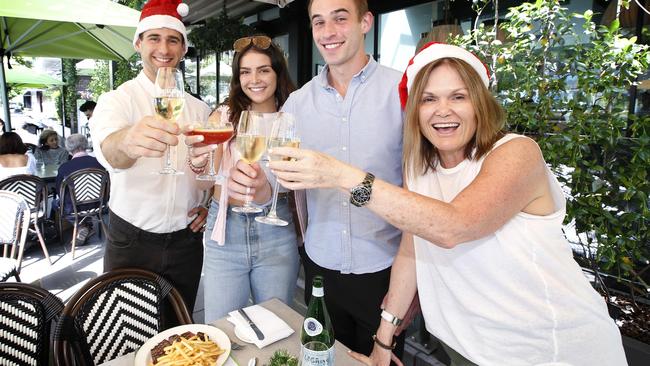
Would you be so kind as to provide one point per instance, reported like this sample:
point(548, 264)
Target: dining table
point(48, 172)
point(241, 356)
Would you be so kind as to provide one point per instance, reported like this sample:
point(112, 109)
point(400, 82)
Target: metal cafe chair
point(14, 225)
point(34, 190)
point(113, 315)
point(87, 189)
point(27, 314)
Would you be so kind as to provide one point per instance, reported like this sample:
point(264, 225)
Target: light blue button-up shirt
point(364, 129)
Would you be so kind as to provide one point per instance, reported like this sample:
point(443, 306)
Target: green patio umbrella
point(28, 78)
point(97, 29)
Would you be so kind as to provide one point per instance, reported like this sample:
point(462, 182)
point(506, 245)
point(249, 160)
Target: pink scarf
point(219, 230)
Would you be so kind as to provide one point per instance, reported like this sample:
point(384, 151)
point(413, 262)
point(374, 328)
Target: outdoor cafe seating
point(27, 315)
point(34, 190)
point(14, 225)
point(113, 315)
point(88, 191)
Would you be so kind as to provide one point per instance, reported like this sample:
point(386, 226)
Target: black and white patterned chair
point(14, 225)
point(34, 190)
point(26, 317)
point(88, 190)
point(114, 314)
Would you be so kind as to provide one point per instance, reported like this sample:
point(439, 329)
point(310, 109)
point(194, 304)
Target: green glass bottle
point(317, 335)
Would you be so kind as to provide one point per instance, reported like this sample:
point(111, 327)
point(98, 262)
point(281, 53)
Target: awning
point(29, 78)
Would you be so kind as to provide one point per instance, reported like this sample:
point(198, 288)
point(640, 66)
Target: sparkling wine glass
point(251, 145)
point(169, 99)
point(213, 132)
point(283, 133)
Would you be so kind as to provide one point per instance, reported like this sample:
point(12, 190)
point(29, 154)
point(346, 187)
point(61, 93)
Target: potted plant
point(564, 80)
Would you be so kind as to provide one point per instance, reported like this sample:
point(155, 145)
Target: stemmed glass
point(251, 145)
point(283, 133)
point(213, 132)
point(169, 99)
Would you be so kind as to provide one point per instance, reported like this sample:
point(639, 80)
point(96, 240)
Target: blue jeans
point(257, 259)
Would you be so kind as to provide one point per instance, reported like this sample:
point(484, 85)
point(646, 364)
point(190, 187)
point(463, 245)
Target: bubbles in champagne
point(251, 147)
point(282, 142)
point(169, 108)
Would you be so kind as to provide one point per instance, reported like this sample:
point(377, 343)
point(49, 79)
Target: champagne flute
point(282, 134)
point(213, 132)
point(169, 99)
point(251, 145)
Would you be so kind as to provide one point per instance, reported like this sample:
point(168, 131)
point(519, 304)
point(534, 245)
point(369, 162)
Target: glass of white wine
point(251, 145)
point(169, 99)
point(283, 133)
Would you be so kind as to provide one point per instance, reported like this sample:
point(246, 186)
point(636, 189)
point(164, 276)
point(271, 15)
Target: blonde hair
point(419, 153)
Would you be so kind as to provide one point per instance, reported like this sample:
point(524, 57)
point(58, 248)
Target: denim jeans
point(256, 260)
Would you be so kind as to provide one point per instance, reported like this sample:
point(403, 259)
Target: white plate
point(143, 357)
point(240, 334)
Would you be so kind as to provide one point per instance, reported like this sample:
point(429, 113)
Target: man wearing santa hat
point(155, 221)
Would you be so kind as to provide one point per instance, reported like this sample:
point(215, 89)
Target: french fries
point(192, 351)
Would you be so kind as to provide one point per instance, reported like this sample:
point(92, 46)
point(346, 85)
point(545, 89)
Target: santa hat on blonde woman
point(162, 14)
point(433, 51)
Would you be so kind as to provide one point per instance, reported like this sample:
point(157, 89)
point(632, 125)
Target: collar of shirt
point(79, 154)
point(362, 75)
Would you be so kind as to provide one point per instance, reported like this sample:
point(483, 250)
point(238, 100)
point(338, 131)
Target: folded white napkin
point(270, 324)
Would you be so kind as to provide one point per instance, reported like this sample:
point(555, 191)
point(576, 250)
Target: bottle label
point(312, 327)
point(310, 357)
point(317, 292)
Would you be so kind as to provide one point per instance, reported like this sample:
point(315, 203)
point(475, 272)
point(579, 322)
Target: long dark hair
point(11, 143)
point(238, 101)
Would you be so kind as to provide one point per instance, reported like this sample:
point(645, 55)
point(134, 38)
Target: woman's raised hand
point(307, 169)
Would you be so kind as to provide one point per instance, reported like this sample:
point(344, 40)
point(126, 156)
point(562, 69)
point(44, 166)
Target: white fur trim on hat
point(437, 51)
point(160, 21)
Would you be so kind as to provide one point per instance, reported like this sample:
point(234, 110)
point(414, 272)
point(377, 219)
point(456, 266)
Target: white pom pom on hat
point(183, 9)
point(162, 14)
point(433, 51)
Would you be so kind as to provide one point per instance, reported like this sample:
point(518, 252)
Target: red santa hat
point(162, 14)
point(433, 51)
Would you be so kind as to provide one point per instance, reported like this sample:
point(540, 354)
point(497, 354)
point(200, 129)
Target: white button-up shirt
point(152, 202)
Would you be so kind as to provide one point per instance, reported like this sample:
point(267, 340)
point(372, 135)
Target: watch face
point(361, 195)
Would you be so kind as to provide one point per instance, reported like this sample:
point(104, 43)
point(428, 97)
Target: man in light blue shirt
point(350, 111)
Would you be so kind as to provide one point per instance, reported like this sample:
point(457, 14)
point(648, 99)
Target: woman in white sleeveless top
point(483, 242)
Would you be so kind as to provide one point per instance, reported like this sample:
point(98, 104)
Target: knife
point(257, 330)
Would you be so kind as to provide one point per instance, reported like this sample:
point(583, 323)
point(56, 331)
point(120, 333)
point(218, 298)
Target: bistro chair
point(88, 189)
point(113, 315)
point(34, 190)
point(27, 315)
point(14, 225)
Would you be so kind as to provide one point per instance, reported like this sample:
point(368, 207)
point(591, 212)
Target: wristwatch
point(360, 195)
point(390, 318)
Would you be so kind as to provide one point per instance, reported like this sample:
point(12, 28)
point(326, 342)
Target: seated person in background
point(49, 151)
point(76, 145)
point(14, 159)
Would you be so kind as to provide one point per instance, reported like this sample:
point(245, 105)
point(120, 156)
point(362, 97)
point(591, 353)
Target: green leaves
point(219, 33)
point(564, 80)
point(282, 357)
